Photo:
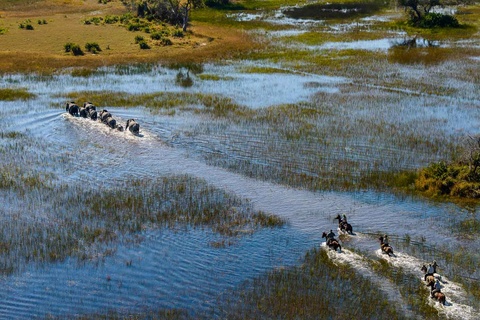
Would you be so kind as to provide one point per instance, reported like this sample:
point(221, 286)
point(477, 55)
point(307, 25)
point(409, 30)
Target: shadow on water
point(319, 11)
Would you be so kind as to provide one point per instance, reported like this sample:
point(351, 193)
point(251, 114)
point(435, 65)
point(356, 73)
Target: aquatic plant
point(318, 288)
point(10, 94)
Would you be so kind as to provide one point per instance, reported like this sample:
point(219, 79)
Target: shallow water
point(179, 268)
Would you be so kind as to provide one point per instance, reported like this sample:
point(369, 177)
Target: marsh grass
point(86, 224)
point(8, 94)
point(317, 289)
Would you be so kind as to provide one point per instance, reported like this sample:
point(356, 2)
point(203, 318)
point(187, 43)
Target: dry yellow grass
point(42, 49)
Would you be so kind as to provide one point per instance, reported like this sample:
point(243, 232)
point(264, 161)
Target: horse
point(387, 249)
point(332, 243)
point(133, 126)
point(344, 225)
point(439, 296)
point(72, 108)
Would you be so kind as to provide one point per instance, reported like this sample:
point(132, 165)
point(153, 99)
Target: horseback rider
point(430, 271)
point(435, 288)
point(434, 265)
point(344, 220)
point(330, 236)
point(385, 240)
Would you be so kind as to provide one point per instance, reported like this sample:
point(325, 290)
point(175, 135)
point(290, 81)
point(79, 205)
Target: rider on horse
point(435, 288)
point(330, 236)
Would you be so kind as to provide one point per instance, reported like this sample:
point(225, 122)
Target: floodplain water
point(179, 267)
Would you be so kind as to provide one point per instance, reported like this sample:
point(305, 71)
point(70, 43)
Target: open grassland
point(42, 49)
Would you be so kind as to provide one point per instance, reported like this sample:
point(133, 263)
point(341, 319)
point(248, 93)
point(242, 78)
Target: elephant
point(133, 126)
point(72, 108)
point(109, 121)
point(83, 112)
point(104, 114)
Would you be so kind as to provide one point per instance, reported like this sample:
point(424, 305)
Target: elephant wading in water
point(91, 110)
point(72, 108)
point(133, 126)
point(106, 117)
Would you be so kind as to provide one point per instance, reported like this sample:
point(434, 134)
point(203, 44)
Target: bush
point(139, 39)
point(156, 36)
point(144, 45)
point(432, 20)
point(111, 19)
point(68, 46)
point(166, 42)
point(92, 47)
point(76, 50)
point(178, 34)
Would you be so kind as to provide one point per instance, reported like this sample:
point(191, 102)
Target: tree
point(176, 12)
point(419, 8)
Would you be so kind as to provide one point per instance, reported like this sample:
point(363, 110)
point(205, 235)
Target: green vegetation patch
point(83, 222)
point(8, 94)
point(317, 289)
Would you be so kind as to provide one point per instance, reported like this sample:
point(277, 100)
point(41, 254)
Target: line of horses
point(433, 283)
point(90, 111)
point(343, 227)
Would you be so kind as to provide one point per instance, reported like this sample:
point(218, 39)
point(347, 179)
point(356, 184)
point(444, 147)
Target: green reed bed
point(318, 289)
point(9, 94)
point(86, 224)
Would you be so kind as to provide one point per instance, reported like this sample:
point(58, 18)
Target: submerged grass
point(99, 219)
point(318, 289)
point(8, 94)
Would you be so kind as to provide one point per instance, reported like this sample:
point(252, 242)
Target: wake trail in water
point(456, 297)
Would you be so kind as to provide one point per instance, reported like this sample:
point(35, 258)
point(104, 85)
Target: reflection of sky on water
point(169, 269)
point(249, 89)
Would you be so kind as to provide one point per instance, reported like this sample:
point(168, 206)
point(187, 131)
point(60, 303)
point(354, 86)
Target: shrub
point(144, 45)
point(111, 19)
point(76, 50)
point(139, 39)
point(68, 46)
point(92, 47)
point(156, 36)
point(178, 33)
point(94, 20)
point(432, 20)
point(166, 42)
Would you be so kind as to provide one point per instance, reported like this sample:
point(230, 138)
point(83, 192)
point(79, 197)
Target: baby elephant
point(133, 126)
point(72, 108)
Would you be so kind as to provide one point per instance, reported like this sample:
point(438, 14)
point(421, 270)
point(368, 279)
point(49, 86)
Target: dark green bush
point(68, 46)
point(144, 45)
point(166, 42)
point(139, 39)
point(178, 33)
point(156, 36)
point(76, 50)
point(92, 47)
point(111, 19)
point(432, 20)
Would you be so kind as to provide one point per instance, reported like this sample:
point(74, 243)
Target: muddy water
point(179, 268)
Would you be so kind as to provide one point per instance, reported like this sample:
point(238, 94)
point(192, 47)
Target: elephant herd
point(90, 111)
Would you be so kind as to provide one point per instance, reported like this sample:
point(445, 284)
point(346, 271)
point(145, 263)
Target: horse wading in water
point(343, 225)
point(386, 248)
point(331, 242)
point(439, 296)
